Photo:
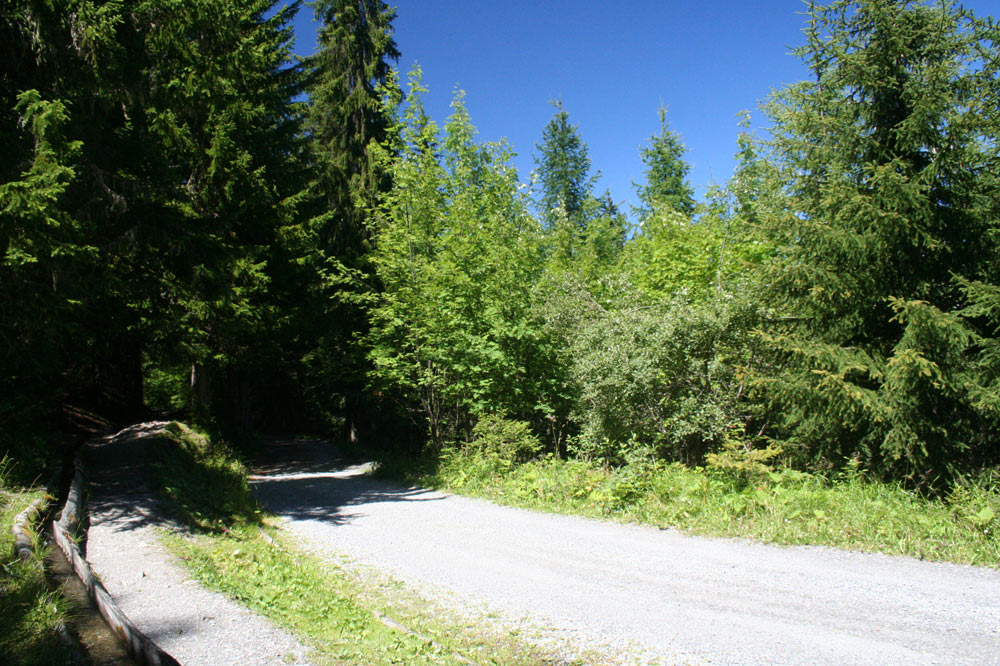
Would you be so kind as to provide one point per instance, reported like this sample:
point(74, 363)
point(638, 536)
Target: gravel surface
point(643, 591)
point(195, 626)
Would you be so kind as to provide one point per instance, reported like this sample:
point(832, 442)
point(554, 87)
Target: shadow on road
point(311, 480)
point(291, 456)
point(120, 487)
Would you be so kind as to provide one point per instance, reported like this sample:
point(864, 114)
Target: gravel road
point(197, 627)
point(642, 591)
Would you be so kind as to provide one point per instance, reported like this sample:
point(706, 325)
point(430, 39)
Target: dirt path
point(195, 626)
point(643, 591)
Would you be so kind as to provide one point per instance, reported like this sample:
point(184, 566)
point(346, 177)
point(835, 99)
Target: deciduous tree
point(456, 254)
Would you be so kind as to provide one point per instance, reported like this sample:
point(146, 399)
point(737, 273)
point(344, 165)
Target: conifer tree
point(582, 231)
point(666, 174)
point(889, 158)
point(563, 171)
point(716, 252)
point(669, 254)
point(65, 294)
point(223, 103)
point(346, 115)
point(346, 118)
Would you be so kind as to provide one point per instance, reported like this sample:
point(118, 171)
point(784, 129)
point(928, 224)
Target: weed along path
point(643, 593)
point(194, 625)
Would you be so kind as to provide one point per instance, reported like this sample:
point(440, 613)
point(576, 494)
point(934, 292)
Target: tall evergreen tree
point(890, 157)
point(346, 114)
point(669, 254)
point(67, 89)
point(563, 171)
point(666, 174)
point(581, 230)
point(347, 117)
point(221, 103)
point(169, 145)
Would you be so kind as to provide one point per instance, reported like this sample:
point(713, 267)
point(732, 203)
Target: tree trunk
point(201, 392)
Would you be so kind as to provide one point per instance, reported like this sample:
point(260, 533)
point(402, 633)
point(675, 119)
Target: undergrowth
point(203, 481)
point(30, 611)
point(772, 505)
point(329, 608)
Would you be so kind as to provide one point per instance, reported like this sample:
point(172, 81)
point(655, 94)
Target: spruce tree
point(670, 254)
point(666, 174)
point(563, 172)
point(220, 113)
point(154, 176)
point(346, 118)
point(346, 114)
point(66, 286)
point(582, 231)
point(888, 158)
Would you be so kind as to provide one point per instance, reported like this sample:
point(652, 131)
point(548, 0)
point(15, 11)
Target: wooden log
point(139, 646)
point(21, 529)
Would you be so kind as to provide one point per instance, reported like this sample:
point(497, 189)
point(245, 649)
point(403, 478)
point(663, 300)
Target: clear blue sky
point(613, 64)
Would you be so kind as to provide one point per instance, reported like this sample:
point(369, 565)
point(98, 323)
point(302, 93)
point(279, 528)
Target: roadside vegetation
point(810, 353)
point(734, 495)
point(234, 547)
point(30, 611)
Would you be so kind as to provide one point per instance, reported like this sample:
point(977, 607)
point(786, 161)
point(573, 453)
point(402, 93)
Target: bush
point(740, 460)
point(669, 375)
point(203, 480)
point(506, 441)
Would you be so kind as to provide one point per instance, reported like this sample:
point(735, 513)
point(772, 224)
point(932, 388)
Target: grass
point(203, 481)
point(781, 506)
point(334, 609)
point(30, 612)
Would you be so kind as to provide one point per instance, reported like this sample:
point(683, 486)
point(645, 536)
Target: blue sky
point(613, 64)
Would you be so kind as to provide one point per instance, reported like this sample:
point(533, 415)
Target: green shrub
point(505, 440)
point(670, 375)
point(739, 459)
point(203, 480)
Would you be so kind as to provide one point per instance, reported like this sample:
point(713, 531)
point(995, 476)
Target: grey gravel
point(196, 626)
point(646, 592)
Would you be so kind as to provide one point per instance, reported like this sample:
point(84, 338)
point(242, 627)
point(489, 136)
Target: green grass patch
point(781, 506)
point(330, 608)
point(30, 611)
point(203, 481)
point(333, 609)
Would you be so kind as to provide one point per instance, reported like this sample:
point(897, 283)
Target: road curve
point(653, 592)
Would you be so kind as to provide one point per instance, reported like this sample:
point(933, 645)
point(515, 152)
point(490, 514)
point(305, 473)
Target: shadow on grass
point(154, 476)
point(27, 634)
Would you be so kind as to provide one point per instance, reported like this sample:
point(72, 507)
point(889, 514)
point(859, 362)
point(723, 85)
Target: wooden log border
point(141, 648)
point(21, 529)
point(24, 549)
point(24, 541)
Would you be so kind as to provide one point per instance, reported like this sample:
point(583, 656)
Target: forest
point(196, 223)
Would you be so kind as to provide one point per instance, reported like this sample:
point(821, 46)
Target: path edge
point(65, 530)
point(25, 547)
